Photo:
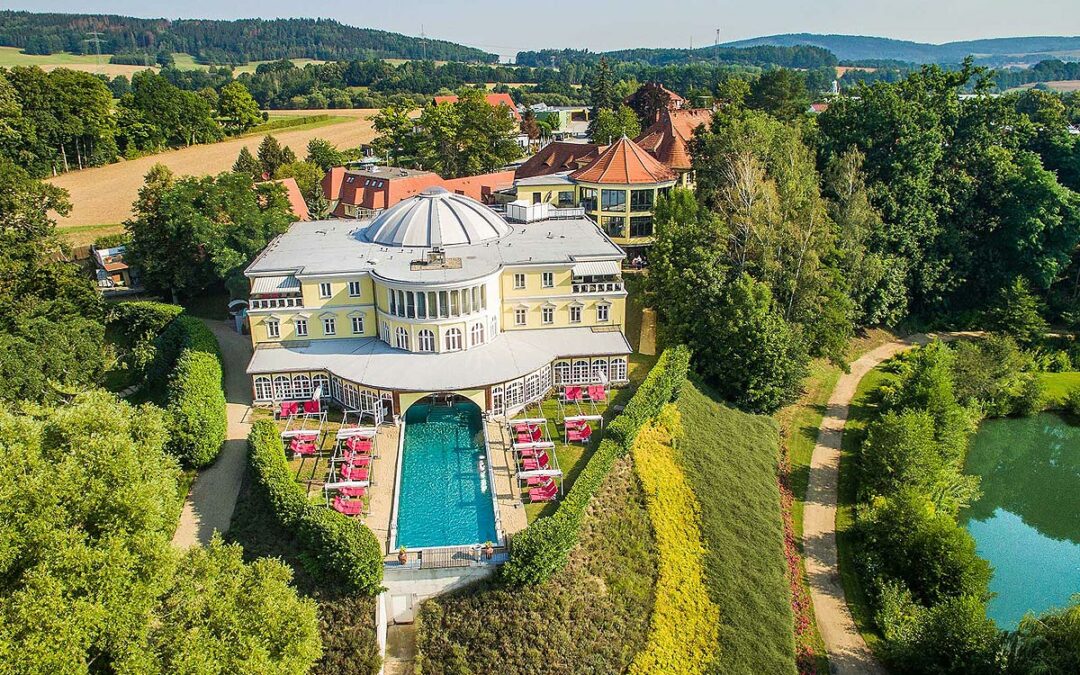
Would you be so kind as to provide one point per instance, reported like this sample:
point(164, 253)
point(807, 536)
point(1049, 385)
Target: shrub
point(1073, 402)
point(338, 545)
point(685, 622)
point(197, 407)
point(542, 549)
point(183, 332)
point(139, 318)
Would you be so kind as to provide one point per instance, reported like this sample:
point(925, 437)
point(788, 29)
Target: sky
point(506, 27)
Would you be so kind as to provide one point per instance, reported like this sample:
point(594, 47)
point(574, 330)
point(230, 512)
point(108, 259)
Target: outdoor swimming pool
point(1026, 524)
point(445, 499)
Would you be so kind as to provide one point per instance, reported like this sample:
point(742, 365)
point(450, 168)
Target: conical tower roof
point(624, 162)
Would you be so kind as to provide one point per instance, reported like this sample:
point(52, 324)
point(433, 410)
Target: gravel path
point(848, 652)
point(209, 506)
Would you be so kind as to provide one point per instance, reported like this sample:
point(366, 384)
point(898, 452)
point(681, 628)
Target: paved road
point(209, 506)
point(848, 652)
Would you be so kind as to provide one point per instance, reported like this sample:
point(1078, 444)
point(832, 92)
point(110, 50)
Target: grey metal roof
point(276, 284)
point(436, 217)
point(546, 179)
point(343, 247)
point(373, 363)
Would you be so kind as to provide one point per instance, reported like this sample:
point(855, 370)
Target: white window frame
point(273, 328)
point(301, 386)
point(575, 313)
point(354, 289)
point(521, 316)
point(282, 387)
point(384, 332)
point(476, 334)
point(519, 281)
point(425, 340)
point(329, 325)
point(401, 338)
point(617, 369)
point(547, 279)
point(603, 312)
point(547, 315)
point(325, 290)
point(453, 340)
point(301, 327)
point(357, 324)
point(264, 388)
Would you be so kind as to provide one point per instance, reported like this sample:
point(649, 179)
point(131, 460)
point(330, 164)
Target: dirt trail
point(104, 194)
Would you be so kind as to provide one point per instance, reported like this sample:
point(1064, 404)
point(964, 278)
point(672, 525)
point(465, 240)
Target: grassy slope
point(346, 623)
point(592, 617)
point(730, 459)
point(1058, 386)
point(861, 412)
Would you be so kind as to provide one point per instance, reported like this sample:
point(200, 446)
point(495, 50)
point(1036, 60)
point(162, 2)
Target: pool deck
point(507, 493)
point(382, 490)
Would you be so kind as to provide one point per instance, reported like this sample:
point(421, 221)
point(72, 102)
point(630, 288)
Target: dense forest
point(795, 56)
point(219, 42)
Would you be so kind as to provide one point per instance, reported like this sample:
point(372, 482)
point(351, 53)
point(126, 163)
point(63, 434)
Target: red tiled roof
point(624, 163)
point(674, 100)
point(388, 187)
point(668, 139)
point(557, 157)
point(296, 200)
point(819, 107)
point(494, 100)
point(480, 187)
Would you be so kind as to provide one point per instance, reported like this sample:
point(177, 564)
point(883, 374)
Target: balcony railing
point(275, 303)
point(598, 287)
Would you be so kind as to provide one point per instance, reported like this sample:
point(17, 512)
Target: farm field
point(1056, 85)
point(12, 56)
point(104, 194)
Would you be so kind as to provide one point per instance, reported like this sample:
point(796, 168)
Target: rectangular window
point(455, 303)
point(613, 200)
point(548, 314)
point(519, 281)
point(602, 312)
point(354, 289)
point(301, 327)
point(329, 326)
point(548, 279)
point(444, 304)
point(324, 290)
point(393, 300)
point(566, 199)
point(613, 225)
point(519, 317)
point(358, 325)
point(575, 313)
point(641, 226)
point(641, 200)
point(588, 199)
point(421, 305)
point(273, 329)
point(410, 304)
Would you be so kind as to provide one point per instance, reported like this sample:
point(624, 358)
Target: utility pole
point(717, 46)
point(95, 37)
point(423, 41)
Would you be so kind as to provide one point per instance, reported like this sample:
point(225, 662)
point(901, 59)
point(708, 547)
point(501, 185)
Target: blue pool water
point(445, 497)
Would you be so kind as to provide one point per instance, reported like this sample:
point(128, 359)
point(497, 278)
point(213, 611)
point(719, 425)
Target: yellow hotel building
point(439, 294)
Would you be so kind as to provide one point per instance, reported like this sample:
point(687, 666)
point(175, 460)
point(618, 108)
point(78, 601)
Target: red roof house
point(351, 192)
point(668, 139)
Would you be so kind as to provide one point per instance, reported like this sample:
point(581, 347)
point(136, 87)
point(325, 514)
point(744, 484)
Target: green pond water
point(1027, 523)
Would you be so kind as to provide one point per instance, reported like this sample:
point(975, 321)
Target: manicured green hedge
point(543, 547)
point(141, 319)
point(184, 332)
point(197, 407)
point(339, 546)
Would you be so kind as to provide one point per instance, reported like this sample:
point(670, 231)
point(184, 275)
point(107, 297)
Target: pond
point(1027, 523)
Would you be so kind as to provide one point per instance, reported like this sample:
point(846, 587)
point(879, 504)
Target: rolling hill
point(992, 51)
point(220, 42)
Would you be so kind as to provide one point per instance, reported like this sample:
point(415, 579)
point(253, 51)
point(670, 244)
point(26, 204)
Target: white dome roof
point(436, 217)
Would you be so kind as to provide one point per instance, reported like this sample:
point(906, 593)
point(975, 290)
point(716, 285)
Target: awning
point(263, 285)
point(596, 268)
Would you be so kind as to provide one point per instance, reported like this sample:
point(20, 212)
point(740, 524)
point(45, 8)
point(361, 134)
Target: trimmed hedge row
point(542, 549)
point(197, 407)
point(339, 546)
point(142, 319)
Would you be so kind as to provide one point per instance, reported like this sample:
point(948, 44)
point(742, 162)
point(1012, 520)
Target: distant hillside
point(221, 42)
point(993, 51)
point(796, 56)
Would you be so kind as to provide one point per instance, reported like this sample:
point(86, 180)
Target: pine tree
point(602, 93)
point(272, 155)
point(247, 164)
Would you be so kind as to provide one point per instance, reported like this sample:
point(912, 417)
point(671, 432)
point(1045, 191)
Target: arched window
point(580, 372)
point(402, 336)
point(301, 386)
point(477, 334)
point(599, 370)
point(264, 391)
point(618, 370)
point(384, 332)
point(282, 387)
point(425, 341)
point(453, 340)
point(352, 400)
point(323, 381)
point(562, 372)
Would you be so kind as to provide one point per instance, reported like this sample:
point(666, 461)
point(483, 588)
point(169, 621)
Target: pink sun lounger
point(578, 435)
point(350, 507)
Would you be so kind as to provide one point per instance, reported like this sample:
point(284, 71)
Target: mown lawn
point(346, 622)
point(730, 459)
point(592, 617)
point(1058, 386)
point(862, 410)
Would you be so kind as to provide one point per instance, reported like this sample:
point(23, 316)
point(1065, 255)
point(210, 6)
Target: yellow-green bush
point(683, 631)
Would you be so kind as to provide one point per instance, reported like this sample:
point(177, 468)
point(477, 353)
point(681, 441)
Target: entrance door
point(536, 198)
